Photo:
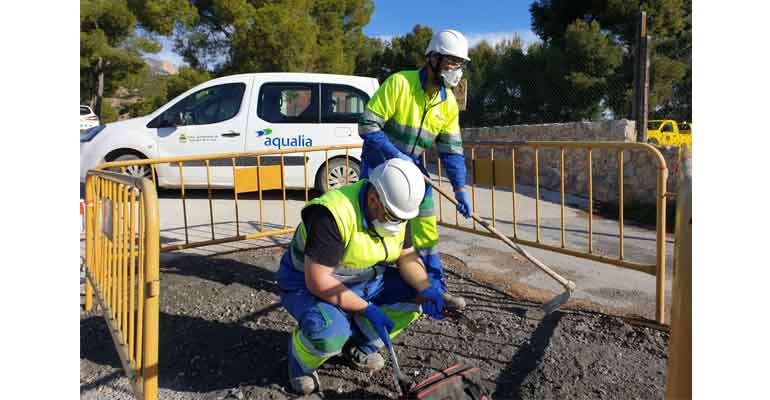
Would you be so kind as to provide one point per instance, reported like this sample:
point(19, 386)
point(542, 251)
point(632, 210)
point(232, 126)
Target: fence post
point(660, 273)
point(641, 78)
point(152, 290)
point(679, 384)
point(89, 216)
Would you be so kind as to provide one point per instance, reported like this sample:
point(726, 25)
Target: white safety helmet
point(449, 42)
point(400, 186)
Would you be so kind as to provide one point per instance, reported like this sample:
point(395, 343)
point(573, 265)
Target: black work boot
point(302, 382)
point(361, 361)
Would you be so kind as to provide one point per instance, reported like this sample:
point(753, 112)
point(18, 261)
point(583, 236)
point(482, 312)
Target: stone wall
point(639, 167)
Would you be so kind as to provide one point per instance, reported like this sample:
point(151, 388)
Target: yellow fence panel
point(493, 174)
point(245, 179)
point(122, 270)
point(484, 169)
point(122, 232)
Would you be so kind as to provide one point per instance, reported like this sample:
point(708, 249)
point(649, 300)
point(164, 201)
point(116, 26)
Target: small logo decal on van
point(182, 138)
point(267, 131)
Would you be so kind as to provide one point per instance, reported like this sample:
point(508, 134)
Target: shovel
point(568, 285)
point(401, 382)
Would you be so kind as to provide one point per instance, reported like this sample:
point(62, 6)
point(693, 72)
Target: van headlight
point(89, 134)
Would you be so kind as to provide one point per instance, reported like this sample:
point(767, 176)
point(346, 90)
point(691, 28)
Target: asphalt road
point(224, 334)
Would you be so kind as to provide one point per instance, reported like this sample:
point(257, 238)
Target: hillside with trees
point(580, 69)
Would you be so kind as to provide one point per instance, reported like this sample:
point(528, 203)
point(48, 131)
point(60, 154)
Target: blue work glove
point(433, 304)
point(463, 204)
point(380, 322)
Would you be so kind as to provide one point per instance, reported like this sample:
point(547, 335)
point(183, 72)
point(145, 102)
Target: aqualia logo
point(295, 141)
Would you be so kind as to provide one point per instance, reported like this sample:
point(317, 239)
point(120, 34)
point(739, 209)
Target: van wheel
point(653, 141)
point(138, 171)
point(339, 175)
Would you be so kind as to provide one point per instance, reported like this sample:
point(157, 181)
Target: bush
point(143, 107)
point(108, 113)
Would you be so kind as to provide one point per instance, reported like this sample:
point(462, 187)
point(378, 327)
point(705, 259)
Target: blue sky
point(478, 19)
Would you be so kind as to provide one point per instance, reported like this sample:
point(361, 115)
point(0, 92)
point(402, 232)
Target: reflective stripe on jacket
point(366, 253)
point(411, 120)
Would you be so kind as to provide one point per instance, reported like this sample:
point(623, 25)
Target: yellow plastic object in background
point(246, 178)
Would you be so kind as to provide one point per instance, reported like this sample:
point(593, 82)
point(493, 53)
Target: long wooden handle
point(569, 285)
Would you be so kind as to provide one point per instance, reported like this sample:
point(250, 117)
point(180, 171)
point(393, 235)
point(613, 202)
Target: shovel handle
point(569, 285)
point(399, 378)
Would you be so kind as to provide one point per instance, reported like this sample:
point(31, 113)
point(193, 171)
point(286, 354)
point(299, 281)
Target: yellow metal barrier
point(245, 179)
point(122, 234)
point(497, 173)
point(122, 270)
point(679, 377)
point(494, 173)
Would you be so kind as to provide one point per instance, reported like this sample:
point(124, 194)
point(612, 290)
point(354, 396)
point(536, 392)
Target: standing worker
point(337, 277)
point(410, 111)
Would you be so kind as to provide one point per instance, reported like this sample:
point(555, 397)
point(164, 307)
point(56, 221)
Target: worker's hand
point(463, 203)
point(404, 157)
point(380, 322)
point(433, 304)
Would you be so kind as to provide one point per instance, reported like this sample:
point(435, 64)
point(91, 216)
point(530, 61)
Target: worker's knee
point(331, 345)
point(326, 328)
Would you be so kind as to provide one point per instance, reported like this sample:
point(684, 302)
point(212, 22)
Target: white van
point(247, 112)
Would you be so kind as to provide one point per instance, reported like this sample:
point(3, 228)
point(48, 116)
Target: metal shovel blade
point(556, 302)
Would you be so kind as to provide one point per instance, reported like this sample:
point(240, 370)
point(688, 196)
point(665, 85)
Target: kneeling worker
point(338, 280)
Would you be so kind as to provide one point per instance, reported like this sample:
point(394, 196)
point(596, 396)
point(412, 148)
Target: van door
point(208, 121)
point(287, 116)
point(342, 106)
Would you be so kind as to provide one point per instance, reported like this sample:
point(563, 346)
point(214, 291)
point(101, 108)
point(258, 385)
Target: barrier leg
point(88, 213)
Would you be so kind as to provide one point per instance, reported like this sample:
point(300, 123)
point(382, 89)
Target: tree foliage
point(581, 69)
point(494, 83)
point(668, 24)
point(111, 50)
point(235, 36)
point(158, 89)
point(382, 58)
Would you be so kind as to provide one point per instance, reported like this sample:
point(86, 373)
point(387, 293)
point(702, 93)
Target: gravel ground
point(223, 335)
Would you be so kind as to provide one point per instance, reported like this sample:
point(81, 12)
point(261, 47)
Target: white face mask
point(452, 77)
point(387, 228)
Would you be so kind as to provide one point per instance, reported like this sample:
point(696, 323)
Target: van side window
point(284, 103)
point(667, 127)
point(206, 106)
point(342, 103)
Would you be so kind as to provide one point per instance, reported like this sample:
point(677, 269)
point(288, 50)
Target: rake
point(568, 285)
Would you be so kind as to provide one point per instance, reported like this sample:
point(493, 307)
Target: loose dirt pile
point(223, 335)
